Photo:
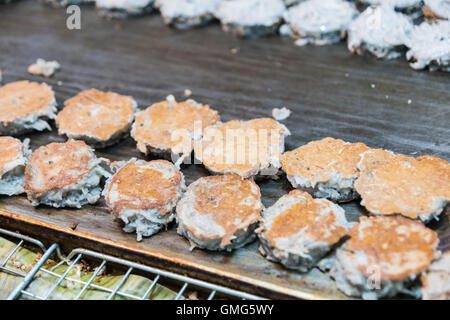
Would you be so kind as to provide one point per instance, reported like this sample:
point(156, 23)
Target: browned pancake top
point(317, 160)
point(143, 185)
point(406, 185)
point(233, 202)
point(11, 149)
point(374, 158)
point(397, 246)
point(240, 147)
point(95, 113)
point(57, 165)
point(315, 216)
point(169, 125)
point(22, 98)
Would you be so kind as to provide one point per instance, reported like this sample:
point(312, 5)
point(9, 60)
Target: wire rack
point(157, 276)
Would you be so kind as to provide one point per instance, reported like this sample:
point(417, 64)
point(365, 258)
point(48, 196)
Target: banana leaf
point(24, 259)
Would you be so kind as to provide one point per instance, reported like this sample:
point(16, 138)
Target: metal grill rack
point(182, 283)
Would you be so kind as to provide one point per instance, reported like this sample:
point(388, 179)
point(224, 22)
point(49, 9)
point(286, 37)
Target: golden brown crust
point(398, 246)
point(316, 216)
point(241, 147)
point(374, 158)
point(96, 114)
point(233, 202)
point(22, 98)
point(406, 185)
point(168, 125)
point(142, 185)
point(11, 149)
point(57, 165)
point(317, 160)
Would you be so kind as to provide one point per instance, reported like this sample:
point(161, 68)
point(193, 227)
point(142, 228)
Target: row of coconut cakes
point(305, 228)
point(384, 28)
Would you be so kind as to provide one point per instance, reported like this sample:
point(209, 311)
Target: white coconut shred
point(379, 30)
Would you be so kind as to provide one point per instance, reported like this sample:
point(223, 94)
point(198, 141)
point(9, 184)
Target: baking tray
point(330, 92)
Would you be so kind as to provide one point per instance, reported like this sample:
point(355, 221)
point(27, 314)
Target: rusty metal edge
point(71, 239)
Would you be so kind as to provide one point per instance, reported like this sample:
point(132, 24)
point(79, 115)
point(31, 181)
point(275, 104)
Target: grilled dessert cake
point(325, 168)
point(13, 159)
point(219, 212)
point(429, 46)
point(26, 106)
point(144, 195)
point(185, 14)
point(246, 148)
point(320, 22)
point(384, 257)
point(417, 188)
point(380, 31)
point(99, 118)
point(169, 127)
point(65, 175)
point(298, 230)
point(251, 18)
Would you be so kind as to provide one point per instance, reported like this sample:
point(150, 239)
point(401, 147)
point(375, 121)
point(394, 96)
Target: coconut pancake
point(325, 168)
point(13, 159)
point(320, 22)
point(429, 46)
point(26, 106)
point(184, 14)
point(436, 281)
point(99, 118)
point(144, 195)
point(245, 148)
point(251, 18)
point(65, 174)
point(12, 150)
point(170, 127)
point(298, 230)
point(417, 188)
point(219, 212)
point(386, 252)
